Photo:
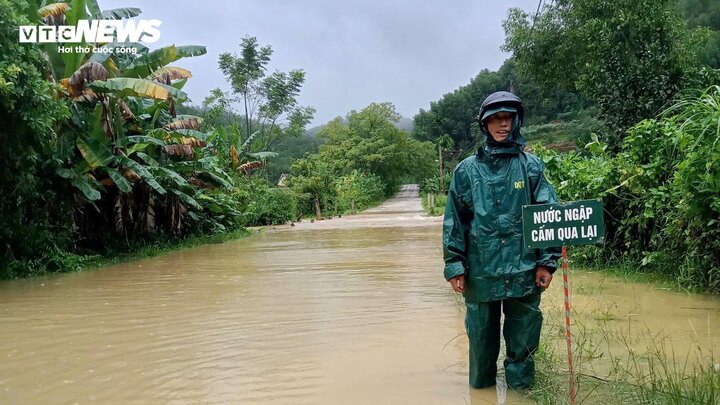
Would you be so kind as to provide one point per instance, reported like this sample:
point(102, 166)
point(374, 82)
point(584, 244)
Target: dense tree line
point(456, 112)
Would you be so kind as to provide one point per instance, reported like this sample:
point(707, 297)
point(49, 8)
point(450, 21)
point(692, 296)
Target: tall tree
point(28, 135)
point(631, 57)
point(269, 101)
point(368, 141)
point(455, 114)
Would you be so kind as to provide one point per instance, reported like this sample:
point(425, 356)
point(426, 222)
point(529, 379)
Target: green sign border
point(596, 218)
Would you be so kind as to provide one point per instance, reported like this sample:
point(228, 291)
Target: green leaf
point(217, 178)
point(180, 83)
point(246, 144)
point(148, 63)
point(147, 159)
point(143, 173)
point(125, 86)
point(118, 179)
point(187, 199)
point(82, 184)
point(95, 155)
point(147, 139)
point(65, 173)
point(93, 7)
point(78, 11)
point(136, 148)
point(179, 180)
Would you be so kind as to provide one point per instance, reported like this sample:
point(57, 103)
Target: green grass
point(613, 368)
point(438, 208)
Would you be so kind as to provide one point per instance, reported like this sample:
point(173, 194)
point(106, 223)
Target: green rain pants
point(521, 330)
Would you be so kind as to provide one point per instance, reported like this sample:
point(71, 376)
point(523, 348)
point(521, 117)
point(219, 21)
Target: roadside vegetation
point(614, 366)
point(103, 156)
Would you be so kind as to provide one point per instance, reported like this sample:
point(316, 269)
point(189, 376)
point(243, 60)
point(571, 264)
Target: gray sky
point(353, 52)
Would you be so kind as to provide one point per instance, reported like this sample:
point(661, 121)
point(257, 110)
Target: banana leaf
point(147, 159)
point(125, 86)
point(95, 154)
point(185, 123)
point(119, 180)
point(119, 13)
point(219, 180)
point(168, 74)
point(187, 199)
point(146, 64)
point(78, 11)
point(178, 179)
point(145, 139)
point(143, 173)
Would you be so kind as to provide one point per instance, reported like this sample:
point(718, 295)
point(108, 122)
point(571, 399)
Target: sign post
point(562, 224)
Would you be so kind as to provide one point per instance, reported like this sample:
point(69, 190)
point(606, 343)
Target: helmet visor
point(502, 108)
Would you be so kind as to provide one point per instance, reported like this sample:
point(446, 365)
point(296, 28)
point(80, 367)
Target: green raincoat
point(482, 239)
point(482, 228)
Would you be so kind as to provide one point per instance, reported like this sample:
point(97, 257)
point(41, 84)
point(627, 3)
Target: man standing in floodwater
point(482, 244)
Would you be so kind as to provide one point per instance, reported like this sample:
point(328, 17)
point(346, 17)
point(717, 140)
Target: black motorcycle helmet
point(494, 102)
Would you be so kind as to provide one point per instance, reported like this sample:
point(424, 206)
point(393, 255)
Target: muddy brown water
point(351, 310)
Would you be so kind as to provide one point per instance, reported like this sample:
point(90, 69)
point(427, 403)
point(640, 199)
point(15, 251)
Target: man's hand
point(458, 283)
point(543, 277)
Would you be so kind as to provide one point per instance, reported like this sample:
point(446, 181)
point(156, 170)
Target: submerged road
point(351, 310)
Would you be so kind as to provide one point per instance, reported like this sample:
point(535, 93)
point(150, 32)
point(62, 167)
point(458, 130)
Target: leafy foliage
point(361, 154)
point(269, 101)
point(629, 57)
point(661, 191)
point(455, 114)
point(28, 134)
point(120, 166)
point(271, 206)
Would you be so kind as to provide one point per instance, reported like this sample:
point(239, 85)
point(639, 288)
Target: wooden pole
point(442, 178)
point(567, 324)
point(318, 215)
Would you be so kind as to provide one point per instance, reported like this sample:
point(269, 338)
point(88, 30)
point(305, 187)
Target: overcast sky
point(353, 52)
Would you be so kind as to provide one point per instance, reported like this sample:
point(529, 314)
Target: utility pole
point(442, 176)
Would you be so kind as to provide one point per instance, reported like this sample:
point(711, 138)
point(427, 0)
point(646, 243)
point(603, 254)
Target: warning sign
point(569, 223)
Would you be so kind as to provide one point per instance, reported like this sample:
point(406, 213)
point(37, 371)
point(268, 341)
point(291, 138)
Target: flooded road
point(344, 311)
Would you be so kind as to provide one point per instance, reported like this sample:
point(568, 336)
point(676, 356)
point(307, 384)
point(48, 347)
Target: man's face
point(500, 124)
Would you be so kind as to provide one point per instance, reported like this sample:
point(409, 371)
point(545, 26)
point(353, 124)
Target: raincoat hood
point(495, 102)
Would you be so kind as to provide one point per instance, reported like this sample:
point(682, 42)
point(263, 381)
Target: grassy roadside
point(612, 368)
point(438, 208)
point(588, 258)
point(64, 262)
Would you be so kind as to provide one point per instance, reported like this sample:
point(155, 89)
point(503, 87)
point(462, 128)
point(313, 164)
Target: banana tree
point(138, 158)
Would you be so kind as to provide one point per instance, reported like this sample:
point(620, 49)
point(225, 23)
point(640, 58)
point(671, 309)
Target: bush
point(28, 116)
point(271, 206)
point(661, 192)
point(363, 190)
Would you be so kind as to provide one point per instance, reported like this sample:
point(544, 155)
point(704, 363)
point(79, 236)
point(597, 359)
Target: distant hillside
point(406, 124)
